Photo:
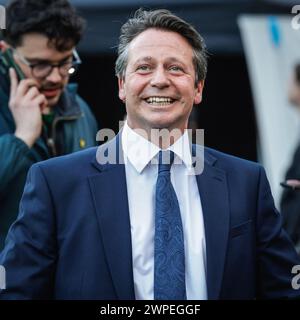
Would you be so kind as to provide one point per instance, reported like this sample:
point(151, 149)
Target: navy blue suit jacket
point(72, 237)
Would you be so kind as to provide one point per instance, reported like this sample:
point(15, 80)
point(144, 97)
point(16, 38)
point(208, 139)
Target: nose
point(55, 75)
point(160, 78)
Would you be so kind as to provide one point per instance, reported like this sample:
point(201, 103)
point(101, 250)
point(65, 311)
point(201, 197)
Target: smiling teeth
point(159, 100)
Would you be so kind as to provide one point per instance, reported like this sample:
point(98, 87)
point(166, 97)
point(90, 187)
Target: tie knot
point(165, 160)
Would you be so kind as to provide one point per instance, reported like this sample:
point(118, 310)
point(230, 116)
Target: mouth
point(51, 92)
point(159, 101)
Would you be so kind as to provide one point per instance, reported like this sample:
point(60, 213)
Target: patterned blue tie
point(169, 266)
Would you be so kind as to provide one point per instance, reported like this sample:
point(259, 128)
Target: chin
point(53, 101)
point(165, 123)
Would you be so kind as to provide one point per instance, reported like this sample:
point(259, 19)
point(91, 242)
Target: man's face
point(159, 82)
point(35, 48)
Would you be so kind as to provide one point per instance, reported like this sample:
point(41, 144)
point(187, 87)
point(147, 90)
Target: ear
point(122, 92)
point(198, 92)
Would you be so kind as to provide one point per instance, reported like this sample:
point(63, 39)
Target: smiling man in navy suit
point(146, 224)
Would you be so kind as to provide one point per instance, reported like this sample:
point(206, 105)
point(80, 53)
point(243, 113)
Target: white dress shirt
point(141, 176)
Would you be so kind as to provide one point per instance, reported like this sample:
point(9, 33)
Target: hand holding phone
point(25, 104)
point(25, 101)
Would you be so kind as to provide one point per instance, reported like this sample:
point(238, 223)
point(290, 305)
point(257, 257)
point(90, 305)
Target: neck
point(161, 137)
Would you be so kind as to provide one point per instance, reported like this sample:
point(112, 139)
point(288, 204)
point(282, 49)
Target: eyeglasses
point(42, 70)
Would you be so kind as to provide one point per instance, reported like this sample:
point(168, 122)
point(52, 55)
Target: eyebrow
point(150, 59)
point(173, 59)
point(143, 59)
point(38, 60)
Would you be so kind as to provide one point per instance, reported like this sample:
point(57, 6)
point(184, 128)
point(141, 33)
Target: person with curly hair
point(41, 115)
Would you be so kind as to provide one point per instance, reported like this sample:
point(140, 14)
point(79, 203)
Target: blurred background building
point(244, 110)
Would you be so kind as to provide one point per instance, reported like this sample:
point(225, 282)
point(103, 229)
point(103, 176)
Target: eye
point(176, 68)
point(41, 66)
point(143, 68)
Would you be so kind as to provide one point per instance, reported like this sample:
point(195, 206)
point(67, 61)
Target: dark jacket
point(72, 238)
point(74, 128)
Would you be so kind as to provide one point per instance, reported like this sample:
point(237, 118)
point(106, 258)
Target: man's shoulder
point(73, 162)
point(82, 108)
point(81, 159)
point(72, 90)
point(229, 162)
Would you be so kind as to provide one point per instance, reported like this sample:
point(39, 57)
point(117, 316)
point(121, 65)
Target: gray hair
point(164, 20)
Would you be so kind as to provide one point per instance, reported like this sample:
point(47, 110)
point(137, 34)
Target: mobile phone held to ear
point(9, 62)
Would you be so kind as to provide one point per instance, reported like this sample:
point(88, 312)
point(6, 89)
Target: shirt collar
point(140, 151)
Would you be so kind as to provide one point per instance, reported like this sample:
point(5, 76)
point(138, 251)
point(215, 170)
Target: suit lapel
point(111, 205)
point(212, 184)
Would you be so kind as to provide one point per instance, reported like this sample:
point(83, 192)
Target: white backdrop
point(272, 47)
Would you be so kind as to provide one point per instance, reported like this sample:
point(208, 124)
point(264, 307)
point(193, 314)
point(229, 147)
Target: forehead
point(36, 45)
point(157, 43)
